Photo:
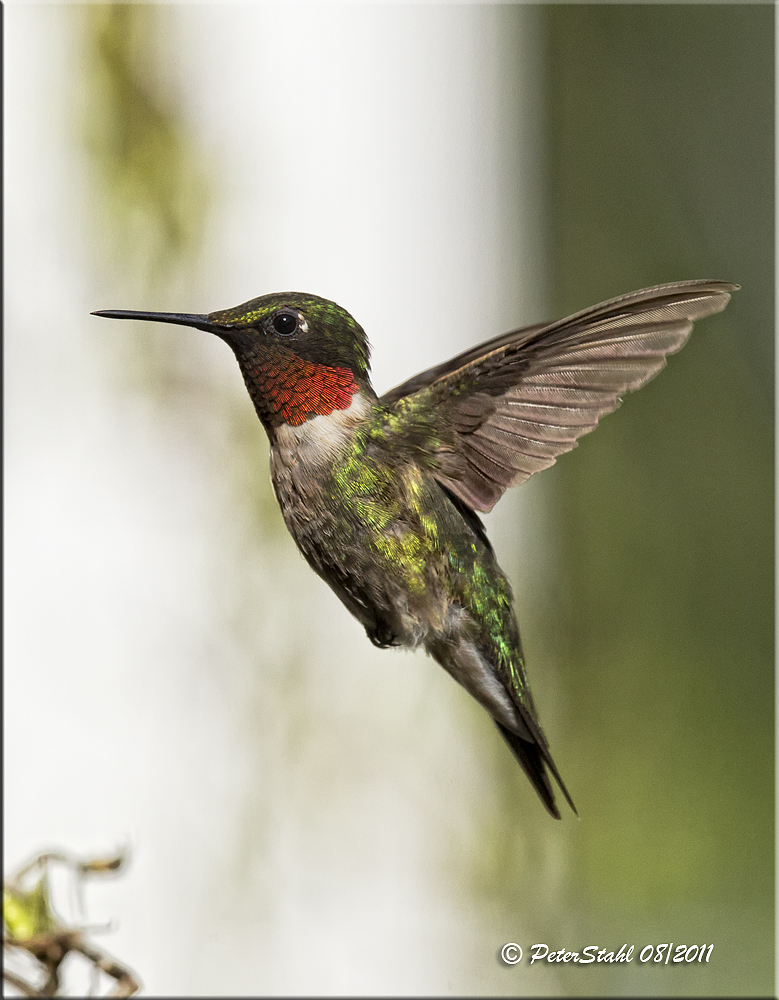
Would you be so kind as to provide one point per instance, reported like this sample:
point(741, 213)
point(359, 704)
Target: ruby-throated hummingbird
point(382, 493)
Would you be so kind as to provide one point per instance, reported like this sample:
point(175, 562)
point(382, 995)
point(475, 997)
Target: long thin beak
point(198, 320)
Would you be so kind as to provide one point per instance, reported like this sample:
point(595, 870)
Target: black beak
point(198, 320)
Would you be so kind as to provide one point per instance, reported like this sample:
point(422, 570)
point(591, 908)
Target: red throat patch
point(294, 390)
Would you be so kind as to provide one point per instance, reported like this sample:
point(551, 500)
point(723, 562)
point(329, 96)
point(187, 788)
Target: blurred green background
point(358, 793)
point(661, 166)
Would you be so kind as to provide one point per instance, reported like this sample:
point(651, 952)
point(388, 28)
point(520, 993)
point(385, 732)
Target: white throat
point(316, 441)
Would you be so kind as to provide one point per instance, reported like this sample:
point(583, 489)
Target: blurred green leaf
point(28, 913)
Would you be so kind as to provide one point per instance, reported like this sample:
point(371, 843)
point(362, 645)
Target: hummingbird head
point(301, 356)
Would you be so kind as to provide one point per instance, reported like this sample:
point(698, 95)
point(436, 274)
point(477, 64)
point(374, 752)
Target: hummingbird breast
point(365, 524)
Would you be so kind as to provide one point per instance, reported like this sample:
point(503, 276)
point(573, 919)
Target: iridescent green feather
point(413, 525)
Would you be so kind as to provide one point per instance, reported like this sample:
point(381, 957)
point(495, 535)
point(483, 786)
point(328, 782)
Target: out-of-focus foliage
point(150, 183)
point(27, 912)
point(150, 186)
point(661, 125)
point(35, 932)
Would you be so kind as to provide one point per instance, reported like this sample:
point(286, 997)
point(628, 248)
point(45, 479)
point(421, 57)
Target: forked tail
point(534, 759)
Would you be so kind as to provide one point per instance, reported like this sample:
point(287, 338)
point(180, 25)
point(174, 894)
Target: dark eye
point(285, 322)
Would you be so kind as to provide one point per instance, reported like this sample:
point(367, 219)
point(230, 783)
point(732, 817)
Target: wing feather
point(508, 408)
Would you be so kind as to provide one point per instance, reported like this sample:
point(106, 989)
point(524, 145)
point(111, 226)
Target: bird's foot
point(381, 635)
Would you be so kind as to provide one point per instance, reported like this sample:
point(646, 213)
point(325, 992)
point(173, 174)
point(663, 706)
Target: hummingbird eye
point(286, 322)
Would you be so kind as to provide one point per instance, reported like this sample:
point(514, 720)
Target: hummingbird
point(382, 494)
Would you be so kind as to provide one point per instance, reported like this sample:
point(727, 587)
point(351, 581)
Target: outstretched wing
point(507, 408)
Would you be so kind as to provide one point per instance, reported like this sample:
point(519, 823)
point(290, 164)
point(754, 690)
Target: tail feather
point(534, 761)
point(471, 664)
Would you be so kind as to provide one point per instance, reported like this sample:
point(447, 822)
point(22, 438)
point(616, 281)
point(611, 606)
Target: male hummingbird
point(382, 493)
